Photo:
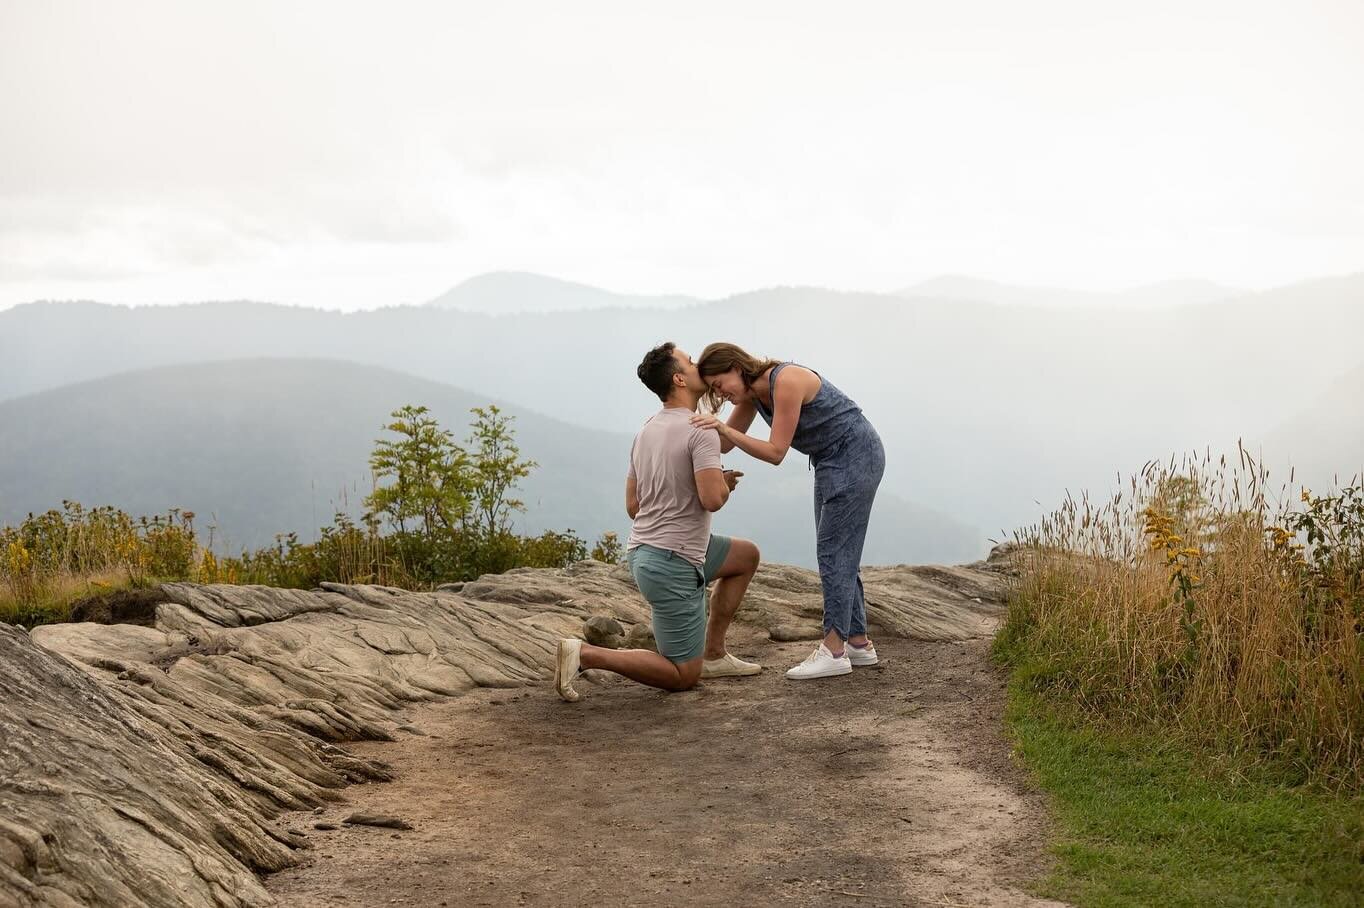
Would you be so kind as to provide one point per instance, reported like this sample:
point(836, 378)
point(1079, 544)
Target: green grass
point(1142, 819)
point(53, 602)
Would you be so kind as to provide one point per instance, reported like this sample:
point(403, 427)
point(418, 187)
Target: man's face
point(687, 369)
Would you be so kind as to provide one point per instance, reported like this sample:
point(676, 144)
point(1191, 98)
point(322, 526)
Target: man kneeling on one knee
point(674, 484)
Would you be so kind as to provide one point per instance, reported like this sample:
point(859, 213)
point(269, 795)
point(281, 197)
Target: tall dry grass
point(51, 560)
point(54, 558)
point(1200, 599)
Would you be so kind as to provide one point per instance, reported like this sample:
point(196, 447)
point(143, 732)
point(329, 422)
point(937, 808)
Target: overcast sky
point(355, 155)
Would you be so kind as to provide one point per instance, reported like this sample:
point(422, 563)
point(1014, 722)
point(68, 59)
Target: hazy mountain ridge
point(514, 292)
point(1161, 293)
point(989, 411)
point(273, 445)
point(1332, 421)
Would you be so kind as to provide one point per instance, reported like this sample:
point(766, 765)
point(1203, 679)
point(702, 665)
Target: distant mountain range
point(1165, 293)
point(990, 412)
point(1324, 441)
point(512, 292)
point(272, 445)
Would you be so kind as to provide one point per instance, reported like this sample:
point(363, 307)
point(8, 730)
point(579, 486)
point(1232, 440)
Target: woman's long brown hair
point(719, 358)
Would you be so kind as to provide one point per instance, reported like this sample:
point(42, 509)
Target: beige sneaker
point(728, 666)
point(566, 667)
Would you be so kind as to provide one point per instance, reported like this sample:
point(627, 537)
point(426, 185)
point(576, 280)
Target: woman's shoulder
point(795, 375)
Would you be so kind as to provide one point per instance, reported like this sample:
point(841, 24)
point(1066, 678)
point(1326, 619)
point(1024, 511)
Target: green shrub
point(440, 512)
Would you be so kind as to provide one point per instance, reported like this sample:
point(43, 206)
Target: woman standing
point(809, 414)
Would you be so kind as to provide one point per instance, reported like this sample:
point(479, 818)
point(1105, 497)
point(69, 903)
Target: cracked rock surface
point(149, 764)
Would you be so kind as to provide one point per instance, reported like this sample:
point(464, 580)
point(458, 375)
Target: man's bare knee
point(746, 556)
point(688, 674)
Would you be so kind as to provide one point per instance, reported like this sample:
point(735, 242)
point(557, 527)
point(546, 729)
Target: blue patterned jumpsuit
point(848, 460)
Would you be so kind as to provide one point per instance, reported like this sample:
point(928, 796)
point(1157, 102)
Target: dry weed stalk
point(1195, 598)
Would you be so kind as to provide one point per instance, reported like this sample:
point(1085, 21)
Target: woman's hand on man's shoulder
point(708, 421)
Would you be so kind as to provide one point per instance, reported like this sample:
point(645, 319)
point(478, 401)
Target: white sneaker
point(863, 656)
point(567, 667)
point(728, 666)
point(821, 664)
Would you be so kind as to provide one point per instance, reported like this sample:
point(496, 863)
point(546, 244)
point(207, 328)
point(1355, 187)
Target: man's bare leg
point(732, 582)
point(642, 665)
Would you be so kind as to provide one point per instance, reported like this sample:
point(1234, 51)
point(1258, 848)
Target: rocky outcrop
point(104, 804)
point(148, 763)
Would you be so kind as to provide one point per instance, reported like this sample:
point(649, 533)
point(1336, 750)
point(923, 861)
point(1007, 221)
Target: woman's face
point(728, 385)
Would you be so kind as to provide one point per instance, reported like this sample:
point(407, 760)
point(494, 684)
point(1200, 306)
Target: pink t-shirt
point(664, 460)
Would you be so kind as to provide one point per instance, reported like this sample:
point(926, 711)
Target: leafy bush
point(608, 548)
point(53, 558)
point(440, 511)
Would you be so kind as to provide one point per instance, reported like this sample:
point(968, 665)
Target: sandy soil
point(892, 786)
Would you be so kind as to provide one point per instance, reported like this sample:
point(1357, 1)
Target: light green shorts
point(676, 591)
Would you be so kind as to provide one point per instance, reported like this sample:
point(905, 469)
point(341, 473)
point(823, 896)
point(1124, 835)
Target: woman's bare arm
point(739, 421)
point(796, 384)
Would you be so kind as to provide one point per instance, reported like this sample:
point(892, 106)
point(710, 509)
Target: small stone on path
point(376, 819)
point(603, 630)
point(641, 636)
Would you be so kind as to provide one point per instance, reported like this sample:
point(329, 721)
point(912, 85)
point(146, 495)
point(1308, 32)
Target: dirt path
point(892, 786)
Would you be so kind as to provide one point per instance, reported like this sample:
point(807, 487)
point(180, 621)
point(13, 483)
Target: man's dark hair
point(657, 370)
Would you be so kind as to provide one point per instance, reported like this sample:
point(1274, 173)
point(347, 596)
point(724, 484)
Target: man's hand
point(732, 478)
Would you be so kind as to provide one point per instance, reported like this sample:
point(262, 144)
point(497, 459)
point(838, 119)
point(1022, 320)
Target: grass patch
point(51, 603)
point(1143, 819)
point(1198, 601)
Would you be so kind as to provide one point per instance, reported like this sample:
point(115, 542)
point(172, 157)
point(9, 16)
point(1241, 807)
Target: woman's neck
point(761, 389)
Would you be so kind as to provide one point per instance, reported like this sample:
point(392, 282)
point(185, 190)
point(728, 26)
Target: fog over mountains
point(514, 292)
point(1164, 293)
point(1324, 441)
point(990, 409)
point(264, 446)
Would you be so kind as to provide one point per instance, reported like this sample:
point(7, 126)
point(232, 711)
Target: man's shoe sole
point(872, 661)
point(560, 660)
point(728, 672)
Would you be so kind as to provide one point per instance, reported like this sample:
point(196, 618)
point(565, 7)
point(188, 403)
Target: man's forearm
point(718, 503)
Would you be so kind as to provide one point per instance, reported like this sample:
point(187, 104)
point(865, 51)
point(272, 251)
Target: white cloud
point(336, 154)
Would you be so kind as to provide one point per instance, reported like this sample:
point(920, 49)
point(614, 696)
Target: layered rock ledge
point(147, 763)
